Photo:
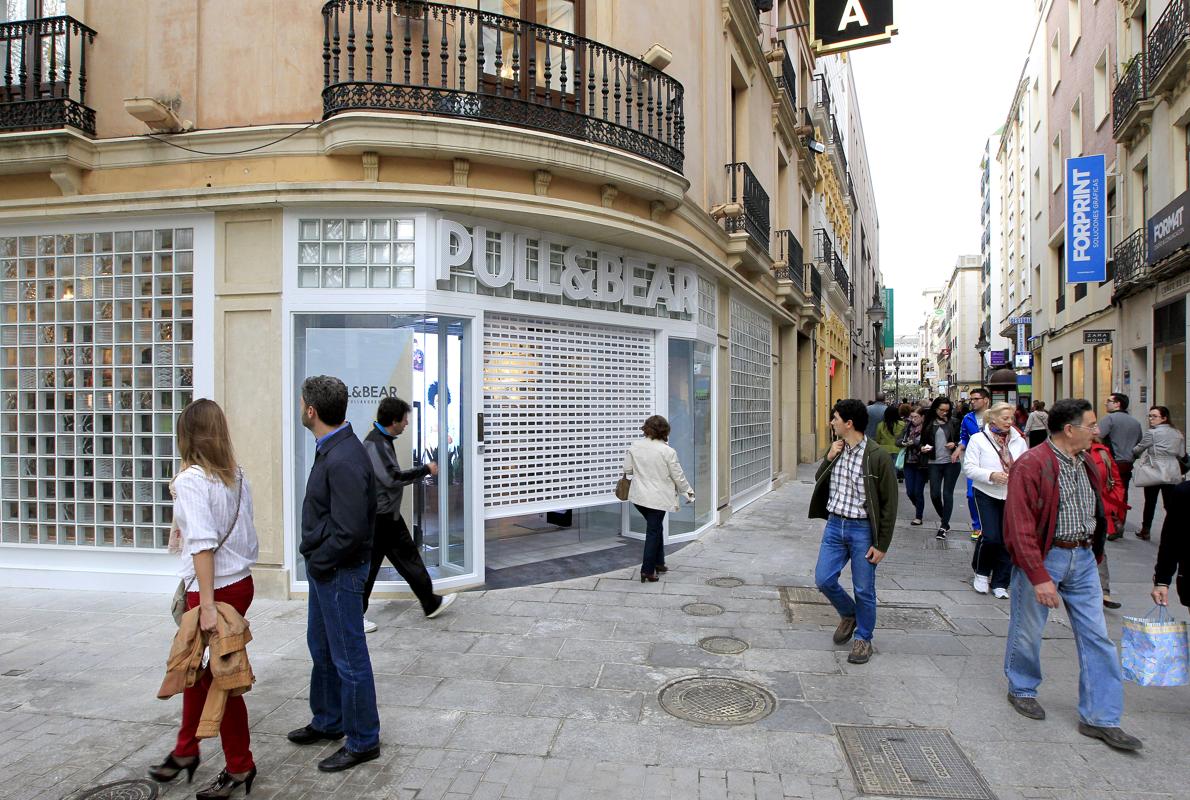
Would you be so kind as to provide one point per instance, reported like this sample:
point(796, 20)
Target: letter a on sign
point(838, 25)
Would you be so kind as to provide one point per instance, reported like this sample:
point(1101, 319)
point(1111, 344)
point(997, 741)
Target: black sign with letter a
point(837, 25)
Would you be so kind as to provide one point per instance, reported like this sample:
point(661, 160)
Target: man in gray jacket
point(390, 536)
point(1120, 432)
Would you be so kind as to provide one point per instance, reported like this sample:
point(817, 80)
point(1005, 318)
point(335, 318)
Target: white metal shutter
point(751, 399)
point(562, 402)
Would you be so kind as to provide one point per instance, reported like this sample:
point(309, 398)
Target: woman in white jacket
point(987, 461)
point(657, 478)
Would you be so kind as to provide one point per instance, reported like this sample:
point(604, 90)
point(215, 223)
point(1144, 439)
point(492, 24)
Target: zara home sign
point(614, 277)
point(837, 25)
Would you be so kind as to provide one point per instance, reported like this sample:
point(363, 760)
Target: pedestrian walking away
point(656, 479)
point(1054, 528)
point(875, 411)
point(1115, 503)
point(1036, 426)
point(1157, 464)
point(855, 491)
point(215, 535)
point(916, 464)
point(1173, 554)
point(391, 538)
point(987, 463)
point(1121, 432)
point(973, 422)
point(338, 515)
point(888, 434)
point(939, 439)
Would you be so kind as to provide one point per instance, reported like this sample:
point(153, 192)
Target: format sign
point(1169, 229)
point(1086, 219)
point(838, 25)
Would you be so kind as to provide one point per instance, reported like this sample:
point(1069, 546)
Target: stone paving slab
point(550, 691)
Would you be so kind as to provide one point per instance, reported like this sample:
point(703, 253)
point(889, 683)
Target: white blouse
point(981, 459)
point(203, 509)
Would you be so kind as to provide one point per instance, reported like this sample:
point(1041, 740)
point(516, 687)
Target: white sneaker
point(369, 626)
point(980, 584)
point(1000, 594)
point(447, 599)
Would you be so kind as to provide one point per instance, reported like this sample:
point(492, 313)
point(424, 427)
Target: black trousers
point(991, 559)
point(1162, 490)
point(391, 540)
point(654, 554)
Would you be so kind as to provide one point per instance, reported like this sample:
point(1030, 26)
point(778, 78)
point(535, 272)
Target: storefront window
point(1103, 379)
point(364, 253)
point(1078, 384)
point(690, 421)
point(1169, 371)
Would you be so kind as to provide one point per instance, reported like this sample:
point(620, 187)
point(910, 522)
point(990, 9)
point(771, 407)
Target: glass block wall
point(97, 337)
point(355, 253)
point(751, 399)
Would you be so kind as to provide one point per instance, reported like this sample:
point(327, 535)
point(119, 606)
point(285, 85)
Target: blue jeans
point(342, 690)
point(1100, 684)
point(972, 507)
point(843, 540)
point(915, 488)
point(654, 555)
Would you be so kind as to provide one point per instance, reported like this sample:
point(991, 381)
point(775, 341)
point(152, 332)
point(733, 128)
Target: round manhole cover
point(725, 583)
point(139, 789)
point(716, 700)
point(723, 645)
point(702, 609)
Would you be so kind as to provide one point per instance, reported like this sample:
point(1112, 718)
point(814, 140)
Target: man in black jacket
point(337, 516)
point(390, 534)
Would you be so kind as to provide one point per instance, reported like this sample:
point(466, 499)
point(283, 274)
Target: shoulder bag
point(177, 606)
point(1146, 471)
point(622, 487)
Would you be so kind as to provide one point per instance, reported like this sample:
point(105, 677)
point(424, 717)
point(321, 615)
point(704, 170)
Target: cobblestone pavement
point(551, 691)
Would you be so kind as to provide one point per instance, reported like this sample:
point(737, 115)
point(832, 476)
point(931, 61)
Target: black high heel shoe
point(644, 576)
point(169, 769)
point(662, 568)
point(224, 785)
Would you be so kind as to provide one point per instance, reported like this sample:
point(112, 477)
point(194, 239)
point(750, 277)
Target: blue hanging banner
point(1086, 219)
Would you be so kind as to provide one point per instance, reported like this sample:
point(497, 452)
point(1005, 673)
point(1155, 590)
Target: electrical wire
point(304, 128)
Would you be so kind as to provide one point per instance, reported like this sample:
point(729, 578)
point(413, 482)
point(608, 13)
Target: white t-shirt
point(203, 510)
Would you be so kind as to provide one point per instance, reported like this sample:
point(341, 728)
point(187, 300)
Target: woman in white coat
point(657, 478)
point(987, 460)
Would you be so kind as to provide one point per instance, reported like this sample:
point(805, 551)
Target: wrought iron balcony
point(822, 95)
point(836, 141)
point(823, 248)
point(788, 253)
point(1130, 259)
point(815, 284)
point(1130, 91)
point(430, 58)
point(787, 80)
point(747, 191)
point(45, 75)
point(841, 277)
point(1167, 40)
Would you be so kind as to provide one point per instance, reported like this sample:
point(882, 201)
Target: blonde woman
point(987, 461)
point(657, 478)
point(212, 504)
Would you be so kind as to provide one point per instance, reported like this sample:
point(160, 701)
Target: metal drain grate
point(716, 700)
point(723, 645)
point(725, 582)
point(702, 609)
point(139, 789)
point(911, 762)
point(805, 606)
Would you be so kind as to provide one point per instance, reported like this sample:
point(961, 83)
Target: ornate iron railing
point(823, 248)
point(429, 58)
point(1130, 90)
point(787, 80)
point(747, 191)
point(822, 94)
point(1131, 259)
point(45, 75)
point(815, 284)
point(836, 141)
point(1168, 35)
point(841, 277)
point(788, 251)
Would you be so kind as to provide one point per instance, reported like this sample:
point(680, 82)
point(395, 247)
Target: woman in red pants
point(216, 537)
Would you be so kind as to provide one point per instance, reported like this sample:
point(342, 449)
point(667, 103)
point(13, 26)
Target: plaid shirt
point(847, 483)
point(1076, 499)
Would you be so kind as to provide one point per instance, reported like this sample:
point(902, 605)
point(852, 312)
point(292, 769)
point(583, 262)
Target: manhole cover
point(702, 609)
point(139, 789)
point(716, 700)
point(802, 594)
point(964, 544)
point(725, 583)
point(911, 762)
point(723, 645)
point(806, 606)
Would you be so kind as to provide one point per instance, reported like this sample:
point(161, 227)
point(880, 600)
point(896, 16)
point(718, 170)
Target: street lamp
point(982, 346)
point(877, 314)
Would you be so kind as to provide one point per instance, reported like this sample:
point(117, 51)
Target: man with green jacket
point(855, 491)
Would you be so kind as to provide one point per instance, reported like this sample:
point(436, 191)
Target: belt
point(849, 519)
point(1066, 544)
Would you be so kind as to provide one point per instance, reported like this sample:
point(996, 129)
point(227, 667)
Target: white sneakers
point(369, 625)
point(980, 584)
point(447, 599)
point(1000, 594)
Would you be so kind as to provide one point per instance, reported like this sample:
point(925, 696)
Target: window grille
point(562, 402)
point(98, 358)
point(355, 253)
point(751, 399)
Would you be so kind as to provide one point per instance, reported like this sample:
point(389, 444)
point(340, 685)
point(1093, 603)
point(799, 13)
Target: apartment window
point(1143, 187)
point(1037, 189)
point(1055, 64)
point(1075, 18)
point(1076, 127)
point(1060, 252)
point(1035, 103)
point(1102, 96)
point(1056, 163)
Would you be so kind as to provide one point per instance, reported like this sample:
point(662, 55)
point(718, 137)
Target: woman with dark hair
point(916, 464)
point(889, 430)
point(939, 438)
point(1036, 426)
point(657, 478)
point(216, 537)
point(1161, 469)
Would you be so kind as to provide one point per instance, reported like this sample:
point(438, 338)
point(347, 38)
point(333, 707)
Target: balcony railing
point(787, 80)
point(822, 95)
point(747, 191)
point(1131, 89)
point(1168, 35)
point(428, 58)
point(45, 75)
point(823, 250)
point(1131, 259)
point(841, 277)
point(815, 284)
point(788, 252)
